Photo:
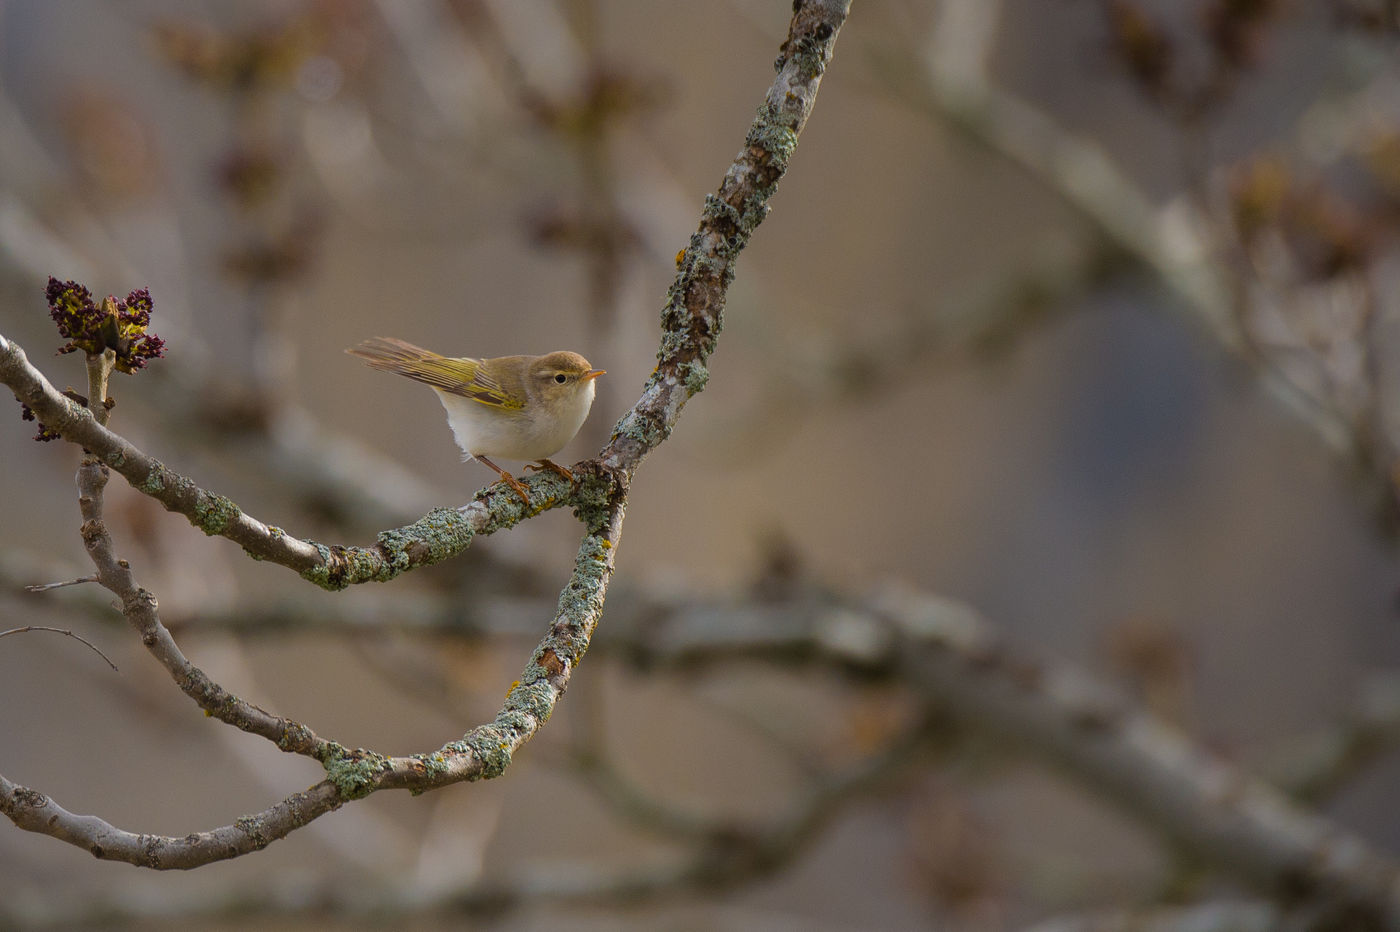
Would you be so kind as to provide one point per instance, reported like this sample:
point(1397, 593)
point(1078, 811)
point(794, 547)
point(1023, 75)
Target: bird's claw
point(553, 467)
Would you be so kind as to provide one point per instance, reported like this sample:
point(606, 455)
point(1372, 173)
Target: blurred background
point(1080, 314)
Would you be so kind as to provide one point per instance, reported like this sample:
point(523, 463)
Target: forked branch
point(691, 321)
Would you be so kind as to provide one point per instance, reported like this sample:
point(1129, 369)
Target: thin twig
point(77, 637)
point(45, 587)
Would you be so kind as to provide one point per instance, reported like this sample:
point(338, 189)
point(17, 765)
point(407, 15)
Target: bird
point(512, 407)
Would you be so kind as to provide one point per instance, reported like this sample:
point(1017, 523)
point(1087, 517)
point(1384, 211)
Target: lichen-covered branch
point(141, 610)
point(35, 812)
point(694, 312)
point(970, 681)
point(482, 753)
point(720, 852)
point(962, 668)
point(438, 535)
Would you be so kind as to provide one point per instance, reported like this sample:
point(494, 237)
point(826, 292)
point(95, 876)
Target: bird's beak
point(593, 374)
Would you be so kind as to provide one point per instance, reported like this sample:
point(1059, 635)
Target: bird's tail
point(449, 373)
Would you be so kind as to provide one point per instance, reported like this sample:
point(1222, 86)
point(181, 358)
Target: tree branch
point(140, 608)
point(691, 323)
point(693, 316)
point(35, 812)
point(440, 534)
point(954, 660)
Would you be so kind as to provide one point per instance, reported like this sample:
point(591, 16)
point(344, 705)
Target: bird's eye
point(561, 378)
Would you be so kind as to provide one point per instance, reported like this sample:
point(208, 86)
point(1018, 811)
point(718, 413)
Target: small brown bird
point(514, 407)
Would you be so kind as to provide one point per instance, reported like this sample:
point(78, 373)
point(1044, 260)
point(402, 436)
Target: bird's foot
point(553, 467)
point(507, 478)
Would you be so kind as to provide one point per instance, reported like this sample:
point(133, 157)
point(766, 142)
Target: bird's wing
point(458, 375)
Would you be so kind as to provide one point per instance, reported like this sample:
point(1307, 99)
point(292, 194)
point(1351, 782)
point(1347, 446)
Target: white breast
point(494, 432)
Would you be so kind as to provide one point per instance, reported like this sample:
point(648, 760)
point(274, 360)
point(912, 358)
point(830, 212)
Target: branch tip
point(64, 631)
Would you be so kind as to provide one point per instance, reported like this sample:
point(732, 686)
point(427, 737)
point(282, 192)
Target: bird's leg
point(553, 467)
point(506, 477)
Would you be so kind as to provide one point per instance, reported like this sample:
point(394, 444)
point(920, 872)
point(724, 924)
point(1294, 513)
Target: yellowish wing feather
point(459, 375)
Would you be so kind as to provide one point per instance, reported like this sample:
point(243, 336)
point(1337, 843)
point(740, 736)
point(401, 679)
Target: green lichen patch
point(295, 737)
point(645, 429)
point(353, 772)
point(675, 343)
point(434, 768)
point(214, 513)
point(434, 764)
point(517, 722)
point(592, 501)
point(488, 745)
point(155, 480)
point(719, 211)
point(440, 534)
point(808, 53)
point(533, 697)
point(580, 602)
point(254, 829)
point(340, 566)
point(774, 130)
point(694, 375)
